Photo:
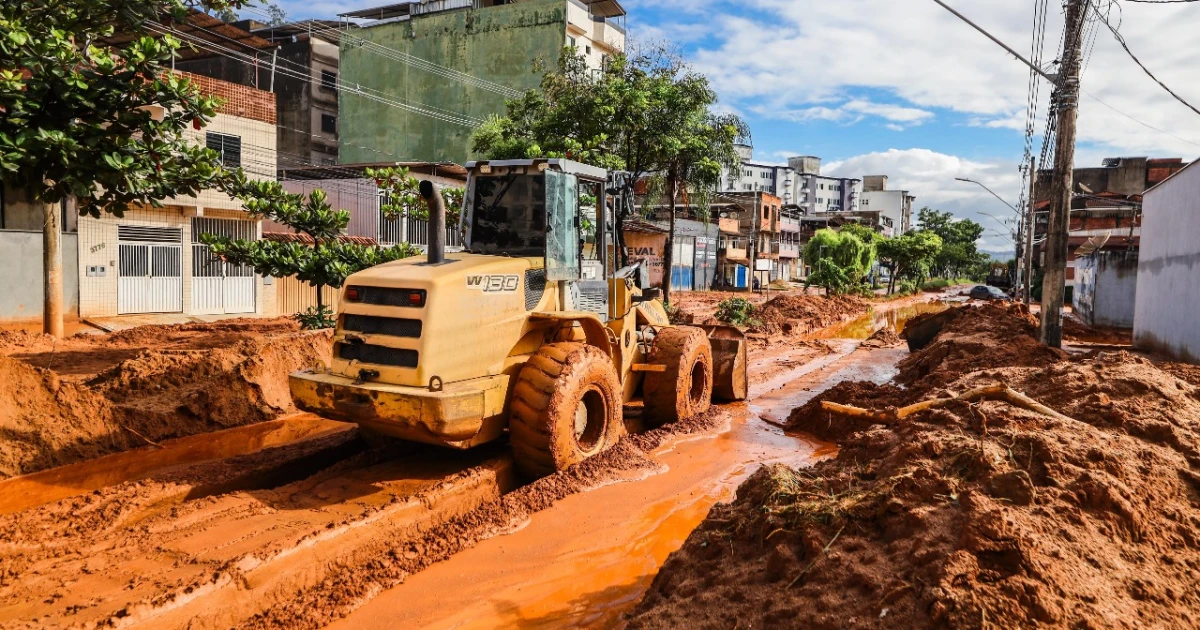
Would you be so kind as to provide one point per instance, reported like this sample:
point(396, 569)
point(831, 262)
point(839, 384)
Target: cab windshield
point(509, 216)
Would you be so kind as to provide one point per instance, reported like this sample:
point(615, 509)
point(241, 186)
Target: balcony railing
point(788, 250)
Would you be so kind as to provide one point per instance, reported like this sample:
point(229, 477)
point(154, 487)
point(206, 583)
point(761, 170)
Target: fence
point(294, 296)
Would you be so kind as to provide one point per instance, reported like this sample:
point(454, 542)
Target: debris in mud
point(91, 395)
point(885, 337)
point(968, 515)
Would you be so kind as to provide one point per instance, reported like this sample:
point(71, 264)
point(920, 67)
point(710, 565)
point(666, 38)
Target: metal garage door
point(219, 287)
point(149, 270)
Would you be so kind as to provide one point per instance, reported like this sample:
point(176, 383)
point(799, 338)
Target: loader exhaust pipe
point(437, 222)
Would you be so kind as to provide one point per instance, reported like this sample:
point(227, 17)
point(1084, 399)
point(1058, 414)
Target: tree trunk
point(52, 289)
point(669, 253)
point(320, 298)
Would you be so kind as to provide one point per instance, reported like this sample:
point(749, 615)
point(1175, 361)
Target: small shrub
point(316, 318)
point(736, 311)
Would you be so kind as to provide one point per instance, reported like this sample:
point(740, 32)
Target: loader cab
point(553, 211)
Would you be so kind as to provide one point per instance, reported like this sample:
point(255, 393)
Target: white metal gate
point(219, 287)
point(149, 270)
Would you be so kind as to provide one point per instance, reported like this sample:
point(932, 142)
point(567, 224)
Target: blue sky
point(903, 88)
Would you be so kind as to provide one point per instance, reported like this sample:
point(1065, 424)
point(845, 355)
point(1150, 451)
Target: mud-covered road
point(296, 523)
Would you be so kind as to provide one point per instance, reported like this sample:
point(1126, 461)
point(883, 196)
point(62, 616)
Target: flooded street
point(590, 557)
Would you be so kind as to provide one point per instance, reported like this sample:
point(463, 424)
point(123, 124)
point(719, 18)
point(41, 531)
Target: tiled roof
point(293, 237)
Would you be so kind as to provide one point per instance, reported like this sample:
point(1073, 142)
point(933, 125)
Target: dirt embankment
point(993, 334)
point(90, 395)
point(968, 516)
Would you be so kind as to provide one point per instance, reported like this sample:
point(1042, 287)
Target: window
point(228, 148)
point(588, 49)
point(329, 124)
point(766, 212)
point(329, 81)
point(570, 41)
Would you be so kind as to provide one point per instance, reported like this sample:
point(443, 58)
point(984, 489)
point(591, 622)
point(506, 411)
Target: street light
point(1026, 229)
point(971, 181)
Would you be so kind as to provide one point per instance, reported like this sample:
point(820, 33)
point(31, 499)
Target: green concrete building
point(419, 77)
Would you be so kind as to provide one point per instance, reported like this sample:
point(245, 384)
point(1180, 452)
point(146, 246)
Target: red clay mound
point(969, 516)
point(49, 420)
point(982, 337)
point(885, 337)
point(799, 314)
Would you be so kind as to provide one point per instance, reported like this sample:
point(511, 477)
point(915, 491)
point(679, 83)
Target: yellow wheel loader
point(530, 334)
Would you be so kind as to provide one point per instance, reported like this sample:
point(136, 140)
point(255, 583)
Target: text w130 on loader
point(531, 334)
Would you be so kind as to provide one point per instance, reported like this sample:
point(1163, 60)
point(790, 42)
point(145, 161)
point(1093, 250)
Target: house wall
point(359, 196)
point(508, 44)
point(1106, 288)
point(21, 283)
point(99, 247)
point(1168, 295)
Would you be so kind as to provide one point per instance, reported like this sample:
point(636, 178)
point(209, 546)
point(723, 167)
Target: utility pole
point(1066, 97)
point(1030, 229)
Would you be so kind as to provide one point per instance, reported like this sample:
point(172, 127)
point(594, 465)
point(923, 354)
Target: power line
point(407, 58)
point(1121, 41)
point(427, 110)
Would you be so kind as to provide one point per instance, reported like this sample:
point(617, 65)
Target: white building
point(798, 183)
point(1168, 295)
point(896, 205)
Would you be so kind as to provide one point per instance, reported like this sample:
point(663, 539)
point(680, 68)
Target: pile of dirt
point(700, 307)
point(50, 417)
point(800, 314)
point(967, 516)
point(885, 337)
point(992, 334)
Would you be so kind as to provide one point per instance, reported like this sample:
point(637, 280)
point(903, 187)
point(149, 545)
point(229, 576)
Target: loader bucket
point(730, 382)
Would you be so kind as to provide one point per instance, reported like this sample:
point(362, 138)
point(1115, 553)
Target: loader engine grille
point(378, 355)
point(392, 326)
point(389, 297)
point(535, 287)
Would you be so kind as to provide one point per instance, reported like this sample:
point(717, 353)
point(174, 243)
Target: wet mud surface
point(986, 513)
point(297, 523)
point(90, 395)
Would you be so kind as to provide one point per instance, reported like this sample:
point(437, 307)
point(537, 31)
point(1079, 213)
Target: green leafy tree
point(645, 112)
point(910, 257)
point(103, 125)
point(959, 256)
point(839, 261)
point(404, 196)
point(327, 261)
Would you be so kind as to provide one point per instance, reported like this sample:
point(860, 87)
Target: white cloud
point(811, 59)
point(930, 176)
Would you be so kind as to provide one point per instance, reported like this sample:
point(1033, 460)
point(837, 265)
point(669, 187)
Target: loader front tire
point(684, 389)
point(565, 408)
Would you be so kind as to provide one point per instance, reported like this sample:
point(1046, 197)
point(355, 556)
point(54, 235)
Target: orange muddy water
point(21, 493)
point(585, 561)
point(588, 559)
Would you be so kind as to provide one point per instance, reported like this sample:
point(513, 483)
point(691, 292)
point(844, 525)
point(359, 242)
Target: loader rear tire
point(565, 408)
point(684, 389)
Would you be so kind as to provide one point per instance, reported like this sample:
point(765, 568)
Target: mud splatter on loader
point(532, 333)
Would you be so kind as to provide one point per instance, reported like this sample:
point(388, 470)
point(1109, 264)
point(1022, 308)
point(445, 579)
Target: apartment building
point(419, 77)
point(151, 259)
point(298, 63)
point(798, 183)
point(894, 205)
